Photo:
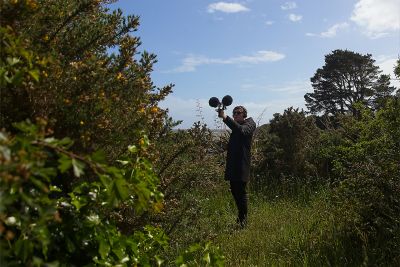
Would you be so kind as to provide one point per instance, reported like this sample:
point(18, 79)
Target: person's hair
point(243, 109)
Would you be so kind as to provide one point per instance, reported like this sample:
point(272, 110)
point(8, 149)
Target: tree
point(397, 74)
point(345, 79)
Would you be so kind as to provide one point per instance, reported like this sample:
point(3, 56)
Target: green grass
point(275, 235)
point(296, 231)
point(279, 233)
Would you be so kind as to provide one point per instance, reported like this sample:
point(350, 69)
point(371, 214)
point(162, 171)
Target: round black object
point(214, 102)
point(227, 100)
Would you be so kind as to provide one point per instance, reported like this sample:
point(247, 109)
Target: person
point(237, 169)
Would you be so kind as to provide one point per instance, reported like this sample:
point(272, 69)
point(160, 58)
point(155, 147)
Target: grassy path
point(279, 233)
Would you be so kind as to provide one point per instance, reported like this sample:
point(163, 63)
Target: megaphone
point(215, 103)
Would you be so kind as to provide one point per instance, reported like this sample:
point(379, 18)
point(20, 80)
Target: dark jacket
point(238, 156)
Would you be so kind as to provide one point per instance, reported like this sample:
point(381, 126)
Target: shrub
point(287, 146)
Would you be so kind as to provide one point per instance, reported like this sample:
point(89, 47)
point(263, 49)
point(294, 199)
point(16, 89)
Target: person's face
point(238, 115)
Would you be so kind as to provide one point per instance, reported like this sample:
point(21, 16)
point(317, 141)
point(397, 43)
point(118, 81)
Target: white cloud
point(387, 64)
point(226, 7)
point(191, 62)
point(332, 31)
point(294, 17)
point(288, 88)
point(288, 5)
point(269, 22)
point(377, 17)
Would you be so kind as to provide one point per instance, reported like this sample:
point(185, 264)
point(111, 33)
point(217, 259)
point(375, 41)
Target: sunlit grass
point(275, 235)
point(279, 233)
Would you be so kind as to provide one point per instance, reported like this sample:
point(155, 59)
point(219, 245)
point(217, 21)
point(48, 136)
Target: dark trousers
point(238, 190)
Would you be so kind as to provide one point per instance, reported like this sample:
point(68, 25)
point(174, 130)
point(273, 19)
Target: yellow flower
point(142, 110)
point(46, 38)
point(158, 207)
point(154, 110)
point(31, 3)
point(82, 123)
point(141, 141)
point(119, 76)
point(67, 101)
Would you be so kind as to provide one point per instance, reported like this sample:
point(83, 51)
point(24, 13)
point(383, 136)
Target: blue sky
point(262, 53)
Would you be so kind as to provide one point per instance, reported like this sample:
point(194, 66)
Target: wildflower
point(31, 3)
point(141, 141)
point(119, 76)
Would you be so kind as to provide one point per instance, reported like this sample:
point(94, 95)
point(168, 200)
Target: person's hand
point(221, 114)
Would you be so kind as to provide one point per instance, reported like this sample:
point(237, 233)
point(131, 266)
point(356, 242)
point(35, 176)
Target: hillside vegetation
point(92, 171)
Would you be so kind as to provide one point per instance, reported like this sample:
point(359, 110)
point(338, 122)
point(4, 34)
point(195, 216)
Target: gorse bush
point(98, 90)
point(286, 146)
point(62, 199)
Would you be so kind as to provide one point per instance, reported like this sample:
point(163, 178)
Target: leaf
point(159, 260)
point(64, 163)
point(17, 78)
point(65, 141)
point(105, 180)
point(78, 201)
point(78, 167)
point(122, 188)
point(46, 173)
point(34, 74)
point(98, 156)
point(119, 251)
point(23, 248)
point(123, 162)
point(70, 245)
point(54, 188)
point(206, 258)
point(12, 61)
point(132, 149)
point(104, 248)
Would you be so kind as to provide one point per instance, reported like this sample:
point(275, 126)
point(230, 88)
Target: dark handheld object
point(215, 103)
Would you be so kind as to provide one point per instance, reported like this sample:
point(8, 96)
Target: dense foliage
point(353, 156)
point(286, 145)
point(80, 119)
point(44, 220)
point(98, 98)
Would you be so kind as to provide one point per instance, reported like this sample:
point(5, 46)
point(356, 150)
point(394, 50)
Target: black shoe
point(241, 223)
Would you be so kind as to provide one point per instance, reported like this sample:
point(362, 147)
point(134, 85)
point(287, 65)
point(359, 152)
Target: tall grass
point(280, 232)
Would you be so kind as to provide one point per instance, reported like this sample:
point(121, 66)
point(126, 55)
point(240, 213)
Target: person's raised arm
point(247, 128)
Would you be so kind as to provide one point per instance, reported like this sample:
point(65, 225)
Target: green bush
point(364, 206)
point(43, 221)
point(286, 163)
